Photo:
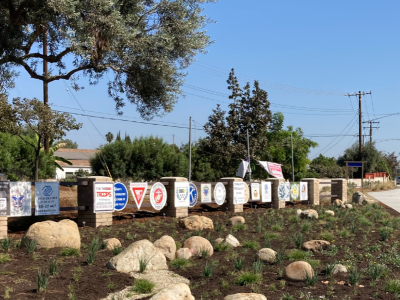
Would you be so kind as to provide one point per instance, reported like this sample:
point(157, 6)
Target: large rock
point(232, 241)
point(330, 212)
point(183, 253)
point(236, 220)
point(338, 268)
point(309, 213)
point(180, 291)
point(196, 244)
point(297, 271)
point(266, 254)
point(298, 212)
point(358, 198)
point(315, 245)
point(128, 260)
point(196, 223)
point(50, 234)
point(167, 246)
point(338, 202)
point(246, 296)
point(347, 206)
point(112, 243)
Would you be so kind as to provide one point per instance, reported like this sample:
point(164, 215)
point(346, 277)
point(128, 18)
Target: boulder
point(338, 202)
point(358, 198)
point(339, 269)
point(246, 296)
point(298, 212)
point(266, 254)
point(180, 291)
point(50, 234)
point(330, 212)
point(219, 240)
point(196, 223)
point(232, 241)
point(297, 271)
point(112, 243)
point(167, 246)
point(236, 220)
point(347, 206)
point(309, 213)
point(196, 244)
point(128, 260)
point(315, 245)
point(183, 253)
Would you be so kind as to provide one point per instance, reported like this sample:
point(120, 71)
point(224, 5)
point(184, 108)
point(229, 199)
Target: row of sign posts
point(15, 197)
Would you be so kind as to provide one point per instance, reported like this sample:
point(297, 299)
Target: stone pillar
point(236, 208)
point(276, 203)
point(313, 190)
point(339, 189)
point(3, 227)
point(85, 198)
point(170, 209)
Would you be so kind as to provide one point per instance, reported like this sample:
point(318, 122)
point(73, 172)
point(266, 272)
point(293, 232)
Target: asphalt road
point(390, 198)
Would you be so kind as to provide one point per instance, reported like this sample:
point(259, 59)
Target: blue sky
point(306, 54)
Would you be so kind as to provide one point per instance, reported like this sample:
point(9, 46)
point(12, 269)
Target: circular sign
point(219, 193)
point(283, 191)
point(158, 196)
point(246, 192)
point(193, 194)
point(294, 191)
point(120, 196)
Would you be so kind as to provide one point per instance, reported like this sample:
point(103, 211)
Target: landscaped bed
point(363, 238)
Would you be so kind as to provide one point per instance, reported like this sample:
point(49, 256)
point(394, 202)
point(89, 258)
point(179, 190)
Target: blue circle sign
point(193, 194)
point(120, 196)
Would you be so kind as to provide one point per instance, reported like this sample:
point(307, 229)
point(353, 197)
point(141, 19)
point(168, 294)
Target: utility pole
point(291, 142)
point(370, 128)
point(45, 85)
point(248, 154)
point(190, 147)
point(359, 94)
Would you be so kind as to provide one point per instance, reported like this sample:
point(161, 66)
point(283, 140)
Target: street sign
point(158, 196)
point(138, 190)
point(121, 196)
point(103, 193)
point(193, 195)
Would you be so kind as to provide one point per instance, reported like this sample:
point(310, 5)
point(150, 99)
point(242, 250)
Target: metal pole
point(291, 142)
point(248, 154)
point(45, 86)
point(190, 148)
point(359, 126)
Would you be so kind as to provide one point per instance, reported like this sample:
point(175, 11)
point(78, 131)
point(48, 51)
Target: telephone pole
point(45, 85)
point(360, 142)
point(370, 128)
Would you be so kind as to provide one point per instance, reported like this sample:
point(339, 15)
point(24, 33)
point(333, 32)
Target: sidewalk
point(390, 198)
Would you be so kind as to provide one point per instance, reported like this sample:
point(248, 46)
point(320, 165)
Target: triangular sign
point(138, 190)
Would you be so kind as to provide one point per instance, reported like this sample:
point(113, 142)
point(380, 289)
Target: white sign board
point(255, 191)
point(239, 196)
point(4, 196)
point(158, 196)
point(303, 191)
point(284, 191)
point(20, 199)
point(182, 196)
point(288, 189)
point(205, 190)
point(266, 194)
point(138, 190)
point(219, 193)
point(103, 193)
point(47, 198)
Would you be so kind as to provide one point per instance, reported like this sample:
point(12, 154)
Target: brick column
point(3, 227)
point(170, 209)
point(339, 189)
point(236, 208)
point(4, 193)
point(85, 198)
point(313, 190)
point(276, 203)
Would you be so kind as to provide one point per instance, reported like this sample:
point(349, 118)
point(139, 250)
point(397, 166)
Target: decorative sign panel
point(47, 198)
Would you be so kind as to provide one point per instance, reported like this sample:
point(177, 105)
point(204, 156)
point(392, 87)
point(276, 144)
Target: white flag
point(272, 168)
point(243, 169)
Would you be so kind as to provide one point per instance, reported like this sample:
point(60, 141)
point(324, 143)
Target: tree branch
point(49, 58)
point(29, 143)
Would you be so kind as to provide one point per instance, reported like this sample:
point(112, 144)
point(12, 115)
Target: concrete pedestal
point(236, 208)
point(313, 190)
point(339, 189)
point(170, 209)
point(276, 203)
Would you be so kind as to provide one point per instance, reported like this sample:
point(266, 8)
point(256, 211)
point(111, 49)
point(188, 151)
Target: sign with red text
point(103, 194)
point(272, 168)
point(138, 190)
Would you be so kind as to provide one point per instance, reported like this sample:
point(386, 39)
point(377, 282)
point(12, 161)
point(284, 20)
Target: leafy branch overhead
point(143, 46)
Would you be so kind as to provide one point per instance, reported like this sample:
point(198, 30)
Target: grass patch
point(246, 277)
point(297, 254)
point(392, 286)
point(327, 236)
point(239, 227)
point(180, 263)
point(251, 244)
point(143, 286)
point(70, 252)
point(221, 247)
point(4, 258)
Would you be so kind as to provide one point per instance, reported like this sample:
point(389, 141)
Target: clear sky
point(306, 55)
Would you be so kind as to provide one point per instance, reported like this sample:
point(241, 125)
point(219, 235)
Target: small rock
point(341, 282)
point(298, 212)
point(315, 245)
point(330, 212)
point(196, 223)
point(180, 291)
point(309, 213)
point(232, 241)
point(236, 220)
point(112, 243)
point(297, 271)
point(197, 244)
point(167, 246)
point(267, 254)
point(219, 240)
point(245, 296)
point(183, 253)
point(338, 202)
point(348, 206)
point(339, 269)
point(325, 282)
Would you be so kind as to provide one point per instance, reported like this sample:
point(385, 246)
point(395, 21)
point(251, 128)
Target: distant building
point(79, 159)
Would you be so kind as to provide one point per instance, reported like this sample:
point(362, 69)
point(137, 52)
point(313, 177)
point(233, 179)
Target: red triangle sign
point(138, 191)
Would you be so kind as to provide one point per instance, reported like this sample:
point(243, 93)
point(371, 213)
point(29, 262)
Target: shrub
point(208, 269)
point(393, 286)
point(314, 263)
point(354, 276)
point(117, 250)
point(311, 280)
point(270, 236)
point(277, 227)
point(143, 286)
point(296, 254)
point(70, 252)
point(239, 226)
point(238, 263)
point(5, 244)
point(42, 281)
point(251, 244)
point(294, 218)
point(30, 245)
point(54, 267)
point(375, 271)
point(204, 252)
point(128, 236)
point(297, 239)
point(180, 263)
point(385, 232)
point(305, 227)
point(258, 266)
point(325, 235)
point(280, 257)
point(218, 227)
point(259, 228)
point(247, 277)
point(4, 258)
point(221, 247)
point(143, 264)
point(343, 233)
point(329, 269)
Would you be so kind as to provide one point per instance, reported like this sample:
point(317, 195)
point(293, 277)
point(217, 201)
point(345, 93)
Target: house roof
point(80, 163)
point(76, 154)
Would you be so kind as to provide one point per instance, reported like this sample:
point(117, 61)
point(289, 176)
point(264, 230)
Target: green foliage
point(221, 247)
point(117, 250)
point(393, 286)
point(251, 244)
point(208, 269)
point(30, 245)
point(258, 266)
point(329, 268)
point(385, 232)
point(354, 276)
point(143, 286)
point(54, 267)
point(311, 280)
point(180, 263)
point(4, 258)
point(246, 277)
point(297, 254)
point(145, 158)
point(325, 235)
point(42, 280)
point(238, 263)
point(296, 239)
point(70, 252)
point(68, 144)
point(143, 262)
point(375, 271)
point(239, 226)
point(325, 167)
point(5, 244)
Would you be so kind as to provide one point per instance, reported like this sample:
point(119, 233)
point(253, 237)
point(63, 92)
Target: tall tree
point(109, 137)
point(143, 45)
point(39, 118)
point(69, 144)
